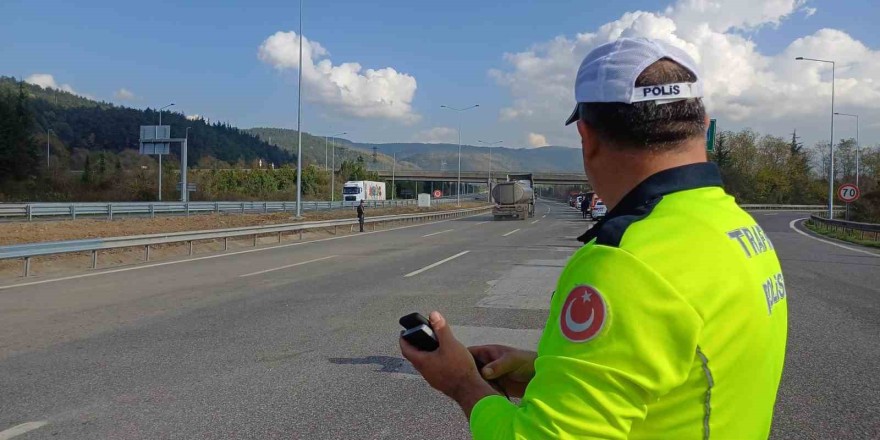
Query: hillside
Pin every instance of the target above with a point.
(428, 156)
(78, 122)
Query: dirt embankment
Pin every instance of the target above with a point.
(31, 232)
(40, 231)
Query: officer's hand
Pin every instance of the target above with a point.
(450, 368)
(511, 367)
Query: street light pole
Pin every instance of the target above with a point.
(184, 190)
(831, 171)
(299, 148)
(48, 130)
(160, 153)
(489, 144)
(858, 144)
(393, 166)
(459, 110)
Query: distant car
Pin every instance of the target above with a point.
(598, 211)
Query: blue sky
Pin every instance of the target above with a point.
(202, 55)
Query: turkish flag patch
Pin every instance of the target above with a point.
(583, 314)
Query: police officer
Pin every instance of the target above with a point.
(670, 322)
(360, 214)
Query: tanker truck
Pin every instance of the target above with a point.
(514, 198)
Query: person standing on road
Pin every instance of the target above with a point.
(585, 207)
(360, 213)
(671, 321)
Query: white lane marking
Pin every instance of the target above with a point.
(431, 266)
(536, 221)
(795, 229)
(286, 267)
(481, 223)
(437, 233)
(771, 213)
(229, 254)
(21, 429)
(544, 216)
(511, 232)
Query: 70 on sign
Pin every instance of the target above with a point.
(848, 193)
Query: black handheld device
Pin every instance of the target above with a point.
(418, 332)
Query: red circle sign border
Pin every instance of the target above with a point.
(848, 185)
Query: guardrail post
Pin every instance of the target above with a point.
(284, 207)
(225, 243)
(279, 236)
(255, 240)
(94, 259)
(336, 230)
(190, 248)
(147, 253)
(73, 211)
(300, 234)
(186, 206)
(110, 211)
(216, 208)
(29, 213)
(27, 267)
(265, 207)
(242, 207)
(152, 210)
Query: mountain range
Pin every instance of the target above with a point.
(77, 122)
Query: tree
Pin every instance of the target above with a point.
(19, 157)
(87, 171)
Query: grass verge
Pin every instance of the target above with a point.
(851, 237)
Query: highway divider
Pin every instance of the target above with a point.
(26, 252)
(31, 211)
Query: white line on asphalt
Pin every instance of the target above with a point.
(21, 429)
(536, 221)
(544, 216)
(795, 229)
(286, 267)
(429, 267)
(482, 223)
(229, 254)
(511, 232)
(437, 233)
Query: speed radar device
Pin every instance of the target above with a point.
(418, 332)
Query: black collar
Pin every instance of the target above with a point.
(646, 194)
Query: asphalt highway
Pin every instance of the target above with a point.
(300, 340)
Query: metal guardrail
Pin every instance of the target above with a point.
(769, 207)
(30, 250)
(29, 211)
(864, 231)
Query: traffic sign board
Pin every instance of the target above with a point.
(437, 194)
(848, 193)
(710, 136)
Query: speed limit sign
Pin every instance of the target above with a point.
(437, 194)
(848, 193)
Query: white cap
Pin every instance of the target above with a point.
(609, 72)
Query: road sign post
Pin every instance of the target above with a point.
(848, 193)
(710, 137)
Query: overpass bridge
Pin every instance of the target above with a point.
(482, 176)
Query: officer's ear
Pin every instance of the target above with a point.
(589, 141)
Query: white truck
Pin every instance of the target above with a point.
(357, 190)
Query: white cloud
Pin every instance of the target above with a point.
(744, 87)
(124, 94)
(809, 11)
(194, 117)
(537, 140)
(437, 135)
(347, 87)
(46, 80)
